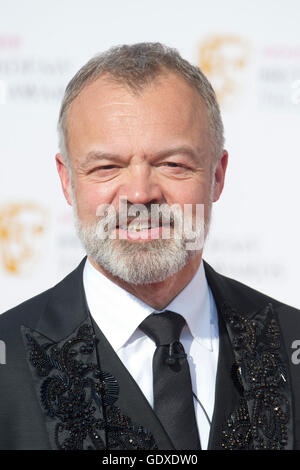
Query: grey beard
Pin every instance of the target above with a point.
(135, 263)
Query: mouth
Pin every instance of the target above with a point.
(141, 230)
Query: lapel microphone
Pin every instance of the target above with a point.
(175, 356)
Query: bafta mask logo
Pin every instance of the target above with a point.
(22, 227)
(223, 60)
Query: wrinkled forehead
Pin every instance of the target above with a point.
(107, 108)
(165, 88)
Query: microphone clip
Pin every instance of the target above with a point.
(173, 356)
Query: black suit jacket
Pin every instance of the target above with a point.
(64, 387)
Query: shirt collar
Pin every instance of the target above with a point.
(196, 304)
(118, 313)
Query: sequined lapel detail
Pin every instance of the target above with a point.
(263, 419)
(77, 397)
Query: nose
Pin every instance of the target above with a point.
(141, 186)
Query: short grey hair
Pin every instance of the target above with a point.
(136, 66)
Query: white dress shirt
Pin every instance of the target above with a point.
(119, 313)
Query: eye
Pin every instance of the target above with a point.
(175, 169)
(106, 167)
(174, 165)
(104, 171)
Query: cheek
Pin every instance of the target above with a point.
(192, 194)
(196, 194)
(90, 196)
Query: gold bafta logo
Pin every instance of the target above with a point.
(22, 226)
(223, 58)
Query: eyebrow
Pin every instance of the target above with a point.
(97, 155)
(182, 150)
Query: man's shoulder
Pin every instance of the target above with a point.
(28, 312)
(259, 296)
(243, 294)
(249, 302)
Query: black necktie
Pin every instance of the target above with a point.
(172, 387)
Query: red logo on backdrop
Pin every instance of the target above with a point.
(10, 41)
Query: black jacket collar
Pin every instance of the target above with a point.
(253, 387)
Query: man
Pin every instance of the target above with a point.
(144, 345)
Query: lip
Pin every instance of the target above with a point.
(141, 222)
(141, 235)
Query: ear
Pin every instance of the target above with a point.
(64, 178)
(219, 176)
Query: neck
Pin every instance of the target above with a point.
(159, 294)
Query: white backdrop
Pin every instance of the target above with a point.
(251, 53)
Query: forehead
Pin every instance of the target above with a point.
(169, 106)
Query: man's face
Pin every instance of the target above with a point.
(153, 148)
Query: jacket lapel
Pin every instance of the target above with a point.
(253, 407)
(88, 398)
(131, 400)
(228, 391)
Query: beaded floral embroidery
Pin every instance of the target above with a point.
(79, 398)
(263, 417)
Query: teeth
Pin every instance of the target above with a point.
(138, 227)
